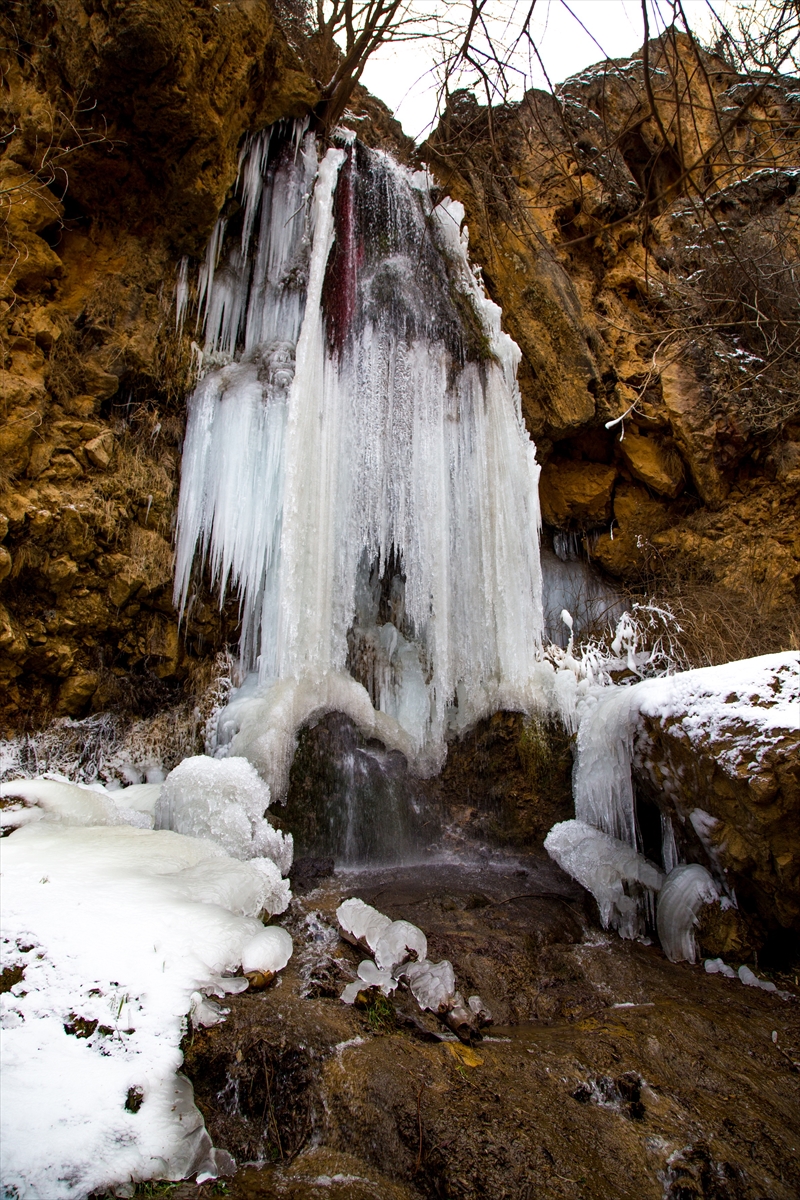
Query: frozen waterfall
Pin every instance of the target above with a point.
(356, 466)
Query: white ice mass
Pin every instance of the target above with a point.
(360, 474)
(226, 800)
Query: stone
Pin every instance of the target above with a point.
(61, 573)
(99, 383)
(100, 450)
(39, 460)
(652, 463)
(576, 493)
(163, 643)
(689, 408)
(15, 437)
(76, 692)
(5, 563)
(750, 800)
(638, 517)
(13, 642)
(126, 580)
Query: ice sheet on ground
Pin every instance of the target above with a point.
(684, 892)
(226, 800)
(116, 928)
(610, 870)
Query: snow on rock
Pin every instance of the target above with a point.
(610, 870)
(268, 951)
(721, 733)
(55, 799)
(119, 931)
(684, 892)
(223, 799)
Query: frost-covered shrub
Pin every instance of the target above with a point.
(224, 800)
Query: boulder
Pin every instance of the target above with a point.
(576, 493)
(655, 464)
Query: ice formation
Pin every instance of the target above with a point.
(433, 985)
(684, 892)
(362, 922)
(400, 950)
(715, 966)
(119, 932)
(268, 951)
(226, 800)
(622, 881)
(739, 706)
(355, 464)
(397, 943)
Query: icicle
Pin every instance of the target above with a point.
(361, 475)
(181, 293)
(686, 890)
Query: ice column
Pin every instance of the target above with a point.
(356, 465)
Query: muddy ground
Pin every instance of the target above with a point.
(609, 1072)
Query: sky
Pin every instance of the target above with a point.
(569, 35)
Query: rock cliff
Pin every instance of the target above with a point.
(121, 124)
(622, 240)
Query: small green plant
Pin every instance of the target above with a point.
(380, 1013)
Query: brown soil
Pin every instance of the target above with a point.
(609, 1071)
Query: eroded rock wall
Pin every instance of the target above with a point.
(586, 219)
(121, 124)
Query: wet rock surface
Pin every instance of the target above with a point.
(608, 1072)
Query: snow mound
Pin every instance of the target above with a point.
(223, 799)
(119, 931)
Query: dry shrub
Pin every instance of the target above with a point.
(717, 625)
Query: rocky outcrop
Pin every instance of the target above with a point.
(121, 129)
(720, 756)
(598, 219)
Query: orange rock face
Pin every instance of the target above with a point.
(578, 212)
(125, 127)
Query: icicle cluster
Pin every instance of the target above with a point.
(355, 464)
